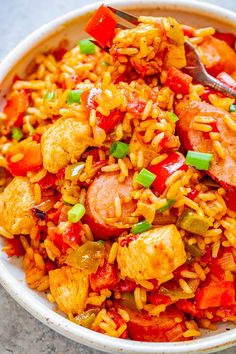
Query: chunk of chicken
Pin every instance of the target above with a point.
(16, 203)
(69, 287)
(154, 254)
(66, 139)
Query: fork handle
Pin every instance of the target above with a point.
(215, 84)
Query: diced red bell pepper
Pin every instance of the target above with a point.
(174, 162)
(221, 293)
(187, 307)
(15, 247)
(108, 123)
(31, 161)
(170, 142)
(106, 277)
(192, 194)
(188, 31)
(230, 199)
(226, 79)
(49, 265)
(59, 53)
(58, 241)
(72, 236)
(178, 81)
(61, 174)
(229, 38)
(36, 137)
(102, 26)
(158, 299)
(126, 285)
(15, 108)
(48, 181)
(87, 98)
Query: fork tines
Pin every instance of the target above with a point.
(125, 16)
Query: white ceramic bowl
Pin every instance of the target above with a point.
(70, 26)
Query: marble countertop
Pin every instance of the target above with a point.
(20, 333)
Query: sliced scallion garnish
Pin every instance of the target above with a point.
(76, 213)
(119, 149)
(199, 160)
(145, 178)
(141, 227)
(73, 96)
(86, 46)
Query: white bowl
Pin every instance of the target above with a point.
(70, 26)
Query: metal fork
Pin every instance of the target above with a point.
(194, 66)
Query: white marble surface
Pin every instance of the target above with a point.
(20, 333)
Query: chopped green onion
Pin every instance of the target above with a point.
(101, 242)
(50, 96)
(232, 108)
(166, 206)
(141, 227)
(16, 133)
(76, 213)
(73, 96)
(104, 63)
(199, 160)
(145, 178)
(119, 149)
(173, 117)
(87, 47)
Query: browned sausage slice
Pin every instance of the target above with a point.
(100, 209)
(222, 170)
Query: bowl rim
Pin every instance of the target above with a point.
(40, 311)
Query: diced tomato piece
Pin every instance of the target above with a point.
(15, 108)
(72, 236)
(102, 26)
(221, 293)
(87, 98)
(108, 123)
(106, 277)
(158, 299)
(187, 307)
(31, 161)
(226, 79)
(49, 265)
(118, 321)
(15, 247)
(174, 162)
(58, 241)
(177, 81)
(48, 181)
(61, 174)
(170, 142)
(229, 38)
(36, 137)
(192, 194)
(230, 199)
(59, 53)
(126, 285)
(188, 31)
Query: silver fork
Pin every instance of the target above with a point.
(194, 66)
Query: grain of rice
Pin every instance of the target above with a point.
(30, 85)
(127, 51)
(214, 136)
(5, 233)
(82, 196)
(17, 157)
(92, 118)
(124, 314)
(113, 253)
(188, 274)
(215, 249)
(38, 176)
(39, 262)
(37, 193)
(173, 178)
(157, 139)
(145, 284)
(191, 333)
(173, 190)
(190, 203)
(24, 242)
(202, 127)
(69, 199)
(230, 122)
(137, 298)
(184, 286)
(213, 233)
(147, 110)
(123, 167)
(159, 159)
(219, 149)
(109, 321)
(199, 270)
(121, 330)
(204, 119)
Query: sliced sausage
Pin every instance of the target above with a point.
(162, 328)
(100, 205)
(154, 254)
(222, 170)
(217, 56)
(16, 203)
